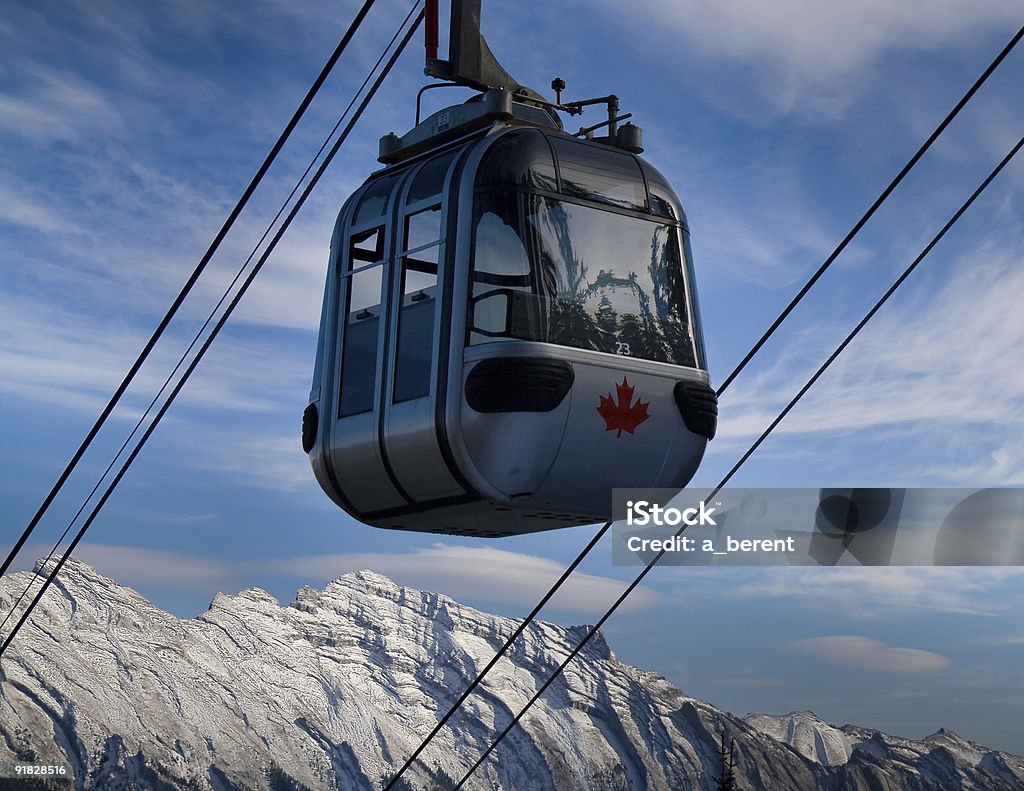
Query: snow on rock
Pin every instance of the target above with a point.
(336, 689)
(808, 734)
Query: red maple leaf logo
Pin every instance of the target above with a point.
(624, 415)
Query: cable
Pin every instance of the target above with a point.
(187, 288)
(213, 335)
(501, 652)
(209, 319)
(874, 206)
(216, 330)
(729, 379)
(803, 390)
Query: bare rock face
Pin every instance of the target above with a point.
(336, 689)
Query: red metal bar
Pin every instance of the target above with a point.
(430, 30)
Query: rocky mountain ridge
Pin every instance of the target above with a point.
(335, 690)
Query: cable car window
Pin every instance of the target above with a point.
(430, 180)
(423, 228)
(502, 266)
(505, 255)
(663, 198)
(415, 344)
(359, 345)
(519, 158)
(375, 200)
(367, 246)
(416, 327)
(599, 280)
(698, 335)
(610, 176)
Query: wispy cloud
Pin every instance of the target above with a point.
(57, 356)
(871, 654)
(750, 679)
(24, 211)
(1002, 640)
(873, 593)
(266, 460)
(140, 567)
(803, 54)
(938, 359)
(477, 573)
(59, 106)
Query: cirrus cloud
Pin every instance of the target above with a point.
(871, 654)
(479, 573)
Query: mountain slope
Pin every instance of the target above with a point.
(337, 688)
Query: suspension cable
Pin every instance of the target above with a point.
(187, 288)
(209, 319)
(498, 655)
(729, 379)
(216, 330)
(874, 206)
(771, 427)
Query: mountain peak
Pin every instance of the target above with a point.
(337, 688)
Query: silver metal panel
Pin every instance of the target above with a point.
(409, 430)
(414, 454)
(482, 519)
(593, 460)
(347, 453)
(358, 466)
(514, 450)
(460, 258)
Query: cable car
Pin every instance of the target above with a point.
(509, 328)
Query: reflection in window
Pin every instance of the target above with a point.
(416, 328)
(502, 268)
(430, 180)
(366, 247)
(423, 228)
(612, 178)
(520, 157)
(415, 344)
(359, 345)
(375, 199)
(597, 280)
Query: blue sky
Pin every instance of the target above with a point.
(130, 129)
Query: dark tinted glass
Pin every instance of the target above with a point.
(520, 158)
(698, 324)
(430, 179)
(600, 173)
(414, 352)
(423, 228)
(415, 332)
(375, 200)
(366, 247)
(664, 201)
(359, 350)
(598, 280)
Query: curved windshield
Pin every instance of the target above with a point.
(559, 272)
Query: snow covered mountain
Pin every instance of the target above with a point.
(336, 689)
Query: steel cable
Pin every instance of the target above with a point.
(209, 319)
(729, 379)
(757, 443)
(189, 284)
(209, 340)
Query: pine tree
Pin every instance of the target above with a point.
(727, 779)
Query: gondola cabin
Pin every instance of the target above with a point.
(509, 330)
